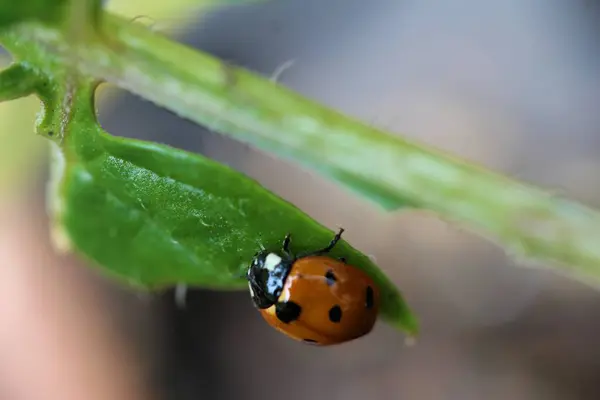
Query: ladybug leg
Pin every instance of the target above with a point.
(286, 244)
(342, 259)
(331, 245)
(333, 242)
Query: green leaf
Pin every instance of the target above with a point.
(156, 216)
(17, 81)
(152, 215)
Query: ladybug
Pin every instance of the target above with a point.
(312, 297)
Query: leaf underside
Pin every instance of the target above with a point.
(157, 216)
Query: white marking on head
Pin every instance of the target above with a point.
(272, 261)
(251, 291)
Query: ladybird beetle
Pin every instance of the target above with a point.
(312, 297)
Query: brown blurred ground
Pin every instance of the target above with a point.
(513, 85)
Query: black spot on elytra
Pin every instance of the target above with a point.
(335, 314)
(369, 297)
(331, 279)
(310, 341)
(287, 312)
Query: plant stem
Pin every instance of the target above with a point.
(390, 170)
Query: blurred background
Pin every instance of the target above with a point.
(513, 85)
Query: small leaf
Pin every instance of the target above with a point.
(157, 216)
(17, 81)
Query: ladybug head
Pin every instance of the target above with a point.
(266, 278)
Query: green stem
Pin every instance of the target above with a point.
(526, 221)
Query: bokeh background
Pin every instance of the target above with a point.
(513, 85)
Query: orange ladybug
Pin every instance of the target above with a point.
(312, 297)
